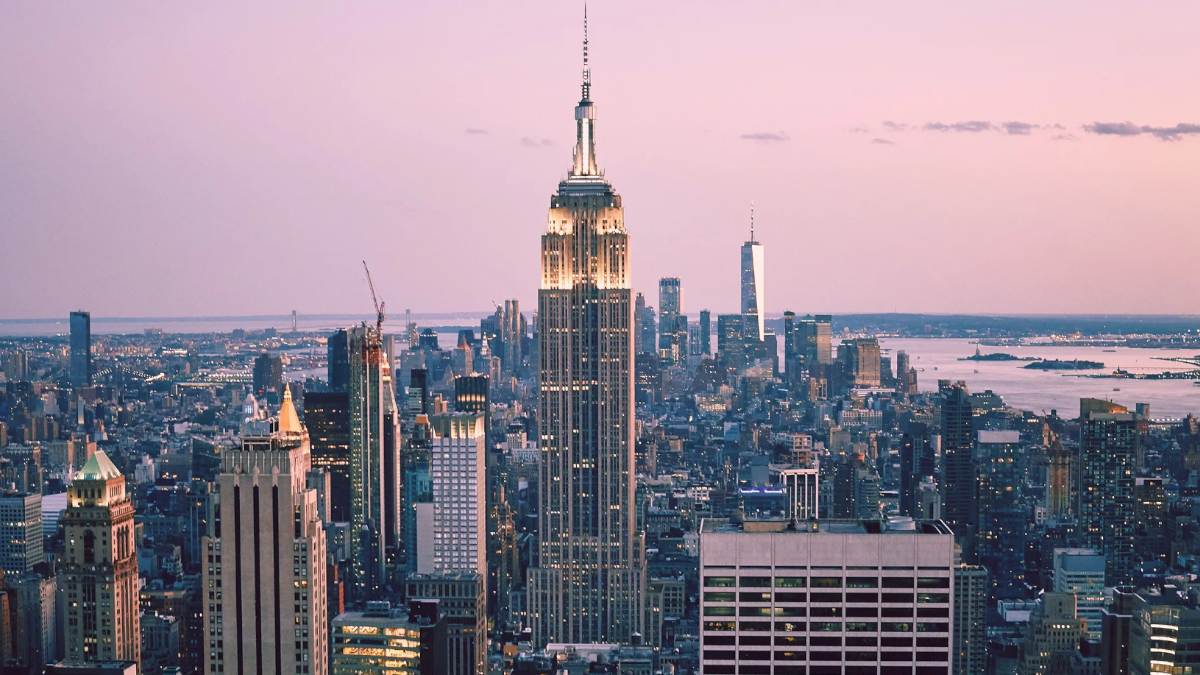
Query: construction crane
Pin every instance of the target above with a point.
(378, 304)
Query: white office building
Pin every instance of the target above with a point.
(833, 596)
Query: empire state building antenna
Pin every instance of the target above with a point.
(587, 71)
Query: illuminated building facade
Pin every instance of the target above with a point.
(99, 573)
(588, 585)
(266, 610)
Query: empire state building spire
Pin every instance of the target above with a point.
(585, 120)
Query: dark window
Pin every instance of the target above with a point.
(756, 582)
(754, 611)
(862, 597)
(783, 596)
(933, 628)
(824, 626)
(720, 582)
(825, 612)
(719, 655)
(931, 642)
(754, 596)
(756, 640)
(902, 612)
(719, 596)
(825, 597)
(862, 582)
(788, 640)
(826, 582)
(862, 626)
(746, 655)
(933, 597)
(933, 582)
(897, 582)
(860, 641)
(898, 597)
(897, 627)
(861, 611)
(718, 610)
(755, 625)
(789, 582)
(719, 640)
(932, 612)
(825, 641)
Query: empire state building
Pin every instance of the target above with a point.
(587, 586)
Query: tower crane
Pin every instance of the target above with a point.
(378, 304)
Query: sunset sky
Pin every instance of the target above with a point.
(171, 159)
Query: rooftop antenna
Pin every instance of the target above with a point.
(587, 72)
(751, 222)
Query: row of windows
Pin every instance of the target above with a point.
(822, 612)
(758, 669)
(824, 641)
(745, 655)
(826, 582)
(826, 626)
(794, 596)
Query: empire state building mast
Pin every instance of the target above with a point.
(589, 583)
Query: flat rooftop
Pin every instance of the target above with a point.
(826, 526)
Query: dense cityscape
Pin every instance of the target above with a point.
(612, 481)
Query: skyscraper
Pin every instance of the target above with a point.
(753, 286)
(266, 610)
(1108, 445)
(268, 374)
(705, 332)
(368, 525)
(588, 585)
(670, 308)
(337, 363)
(20, 533)
(81, 349)
(99, 573)
(1002, 511)
(327, 419)
(960, 507)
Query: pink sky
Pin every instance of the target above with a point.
(178, 159)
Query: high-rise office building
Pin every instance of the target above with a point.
(753, 286)
(1058, 479)
(705, 332)
(382, 640)
(645, 332)
(670, 308)
(959, 506)
(266, 609)
(1080, 571)
(1108, 446)
(832, 594)
(1003, 515)
(1164, 633)
(970, 619)
(368, 516)
(861, 362)
(81, 349)
(268, 374)
(20, 533)
(461, 598)
(588, 583)
(1052, 636)
(337, 363)
(327, 419)
(457, 466)
(99, 572)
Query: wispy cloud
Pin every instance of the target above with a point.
(973, 126)
(889, 125)
(1172, 133)
(474, 131)
(860, 130)
(1018, 128)
(766, 136)
(530, 142)
(882, 141)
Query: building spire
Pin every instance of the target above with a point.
(585, 118)
(751, 222)
(587, 71)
